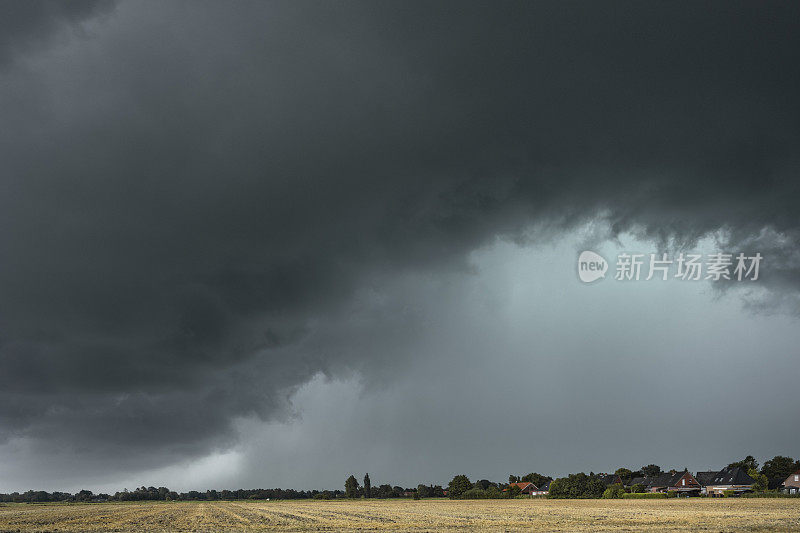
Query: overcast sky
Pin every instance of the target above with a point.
(263, 244)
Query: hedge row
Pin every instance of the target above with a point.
(643, 495)
(769, 494)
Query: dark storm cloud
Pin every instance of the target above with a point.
(24, 25)
(188, 187)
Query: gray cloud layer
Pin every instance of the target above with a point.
(189, 189)
(27, 25)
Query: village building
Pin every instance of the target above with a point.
(524, 488)
(731, 480)
(680, 482)
(609, 479)
(705, 479)
(792, 484)
(639, 480)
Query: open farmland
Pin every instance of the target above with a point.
(409, 515)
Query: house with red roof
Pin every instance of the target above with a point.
(524, 487)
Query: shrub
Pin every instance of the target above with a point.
(478, 494)
(644, 496)
(473, 494)
(639, 488)
(761, 482)
(772, 493)
(614, 491)
(493, 492)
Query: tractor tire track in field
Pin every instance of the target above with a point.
(256, 517)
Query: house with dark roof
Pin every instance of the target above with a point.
(544, 489)
(705, 479)
(680, 482)
(775, 484)
(639, 480)
(792, 484)
(730, 479)
(609, 479)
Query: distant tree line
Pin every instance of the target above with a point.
(353, 490)
(580, 485)
(460, 487)
(164, 494)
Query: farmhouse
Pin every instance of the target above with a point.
(705, 479)
(524, 487)
(733, 479)
(680, 482)
(640, 480)
(792, 484)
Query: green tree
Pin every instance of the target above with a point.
(513, 491)
(482, 484)
(351, 487)
(746, 464)
(577, 486)
(614, 491)
(424, 491)
(651, 470)
(458, 486)
(367, 486)
(513, 479)
(638, 488)
(384, 491)
(558, 488)
(594, 488)
(536, 478)
(779, 467)
(624, 473)
(762, 483)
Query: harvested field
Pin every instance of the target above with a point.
(409, 515)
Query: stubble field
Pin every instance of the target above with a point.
(409, 515)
